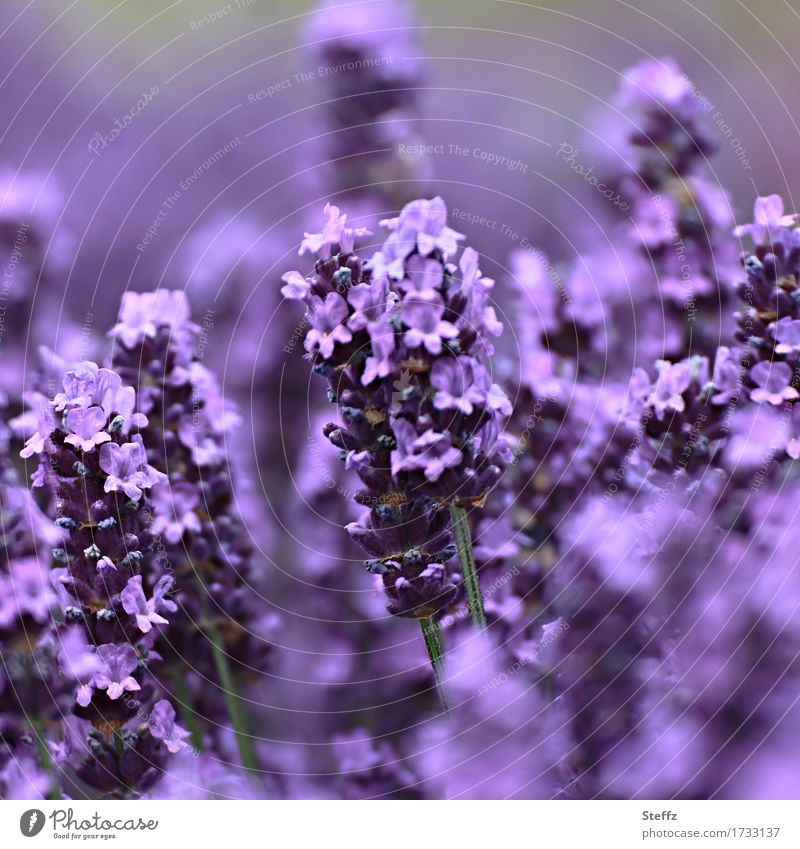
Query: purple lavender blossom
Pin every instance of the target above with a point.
(108, 553)
(666, 613)
(766, 321)
(176, 512)
(142, 315)
(681, 218)
(768, 220)
(145, 610)
(682, 415)
(726, 377)
(206, 549)
(772, 383)
(634, 522)
(327, 326)
(408, 428)
(461, 385)
(786, 333)
(85, 424)
(127, 469)
(24, 594)
(163, 726)
(80, 662)
(425, 325)
(668, 127)
(432, 453)
(670, 264)
(333, 233)
(421, 228)
(423, 276)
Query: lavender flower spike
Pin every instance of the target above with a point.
(400, 338)
(219, 631)
(769, 317)
(107, 557)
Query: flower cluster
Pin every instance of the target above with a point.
(695, 414)
(571, 442)
(201, 534)
(613, 488)
(681, 219)
(666, 124)
(663, 275)
(683, 412)
(402, 340)
(595, 515)
(676, 671)
(93, 461)
(768, 320)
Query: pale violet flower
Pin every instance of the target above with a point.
(127, 468)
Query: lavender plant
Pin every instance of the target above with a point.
(672, 630)
(221, 628)
(676, 668)
(692, 411)
(402, 340)
(663, 276)
(769, 318)
(683, 415)
(93, 461)
(681, 218)
(636, 545)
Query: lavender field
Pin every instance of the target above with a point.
(399, 401)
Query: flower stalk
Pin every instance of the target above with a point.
(404, 341)
(469, 568)
(434, 643)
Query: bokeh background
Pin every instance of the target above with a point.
(186, 145)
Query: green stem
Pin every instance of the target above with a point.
(434, 643)
(243, 740)
(468, 567)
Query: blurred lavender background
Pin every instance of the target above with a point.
(189, 147)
